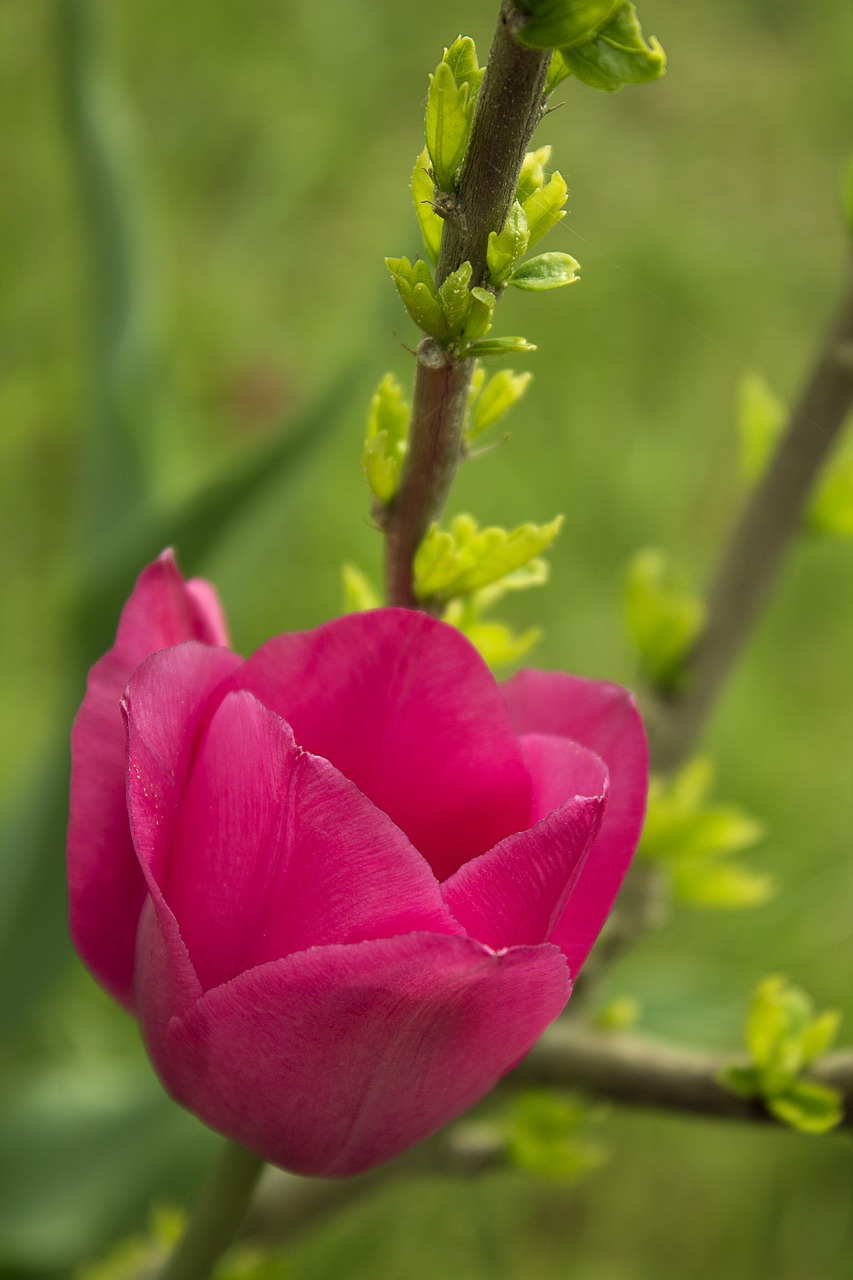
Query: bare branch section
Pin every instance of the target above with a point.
(509, 107)
(751, 562)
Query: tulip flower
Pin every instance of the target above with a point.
(344, 884)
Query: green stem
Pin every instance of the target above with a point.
(509, 107)
(217, 1214)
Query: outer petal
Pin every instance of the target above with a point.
(106, 889)
(516, 893)
(340, 1057)
(603, 717)
(275, 852)
(405, 707)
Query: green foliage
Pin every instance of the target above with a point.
(507, 246)
(416, 287)
(831, 511)
(617, 54)
(695, 840)
(619, 1014)
(783, 1036)
(359, 592)
(543, 208)
(386, 439)
(423, 194)
(546, 271)
(455, 314)
(450, 110)
(466, 558)
(555, 23)
(663, 616)
(490, 400)
(498, 644)
(546, 1135)
(558, 71)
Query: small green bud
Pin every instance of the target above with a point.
(465, 558)
(455, 298)
(663, 616)
(416, 288)
(499, 347)
(386, 439)
(461, 57)
(532, 175)
(762, 417)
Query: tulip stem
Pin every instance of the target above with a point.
(509, 107)
(217, 1214)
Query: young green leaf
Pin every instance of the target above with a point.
(508, 245)
(416, 288)
(547, 271)
(555, 23)
(479, 320)
(449, 113)
(386, 439)
(499, 347)
(423, 191)
(662, 615)
(461, 57)
(532, 175)
(497, 397)
(465, 558)
(455, 298)
(808, 1106)
(544, 207)
(831, 511)
(727, 886)
(558, 71)
(617, 54)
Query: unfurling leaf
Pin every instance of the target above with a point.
(386, 439)
(461, 57)
(554, 23)
(416, 288)
(547, 271)
(466, 558)
(498, 644)
(784, 1036)
(449, 114)
(543, 208)
(423, 192)
(508, 245)
(558, 71)
(547, 1136)
(617, 54)
(663, 616)
(532, 175)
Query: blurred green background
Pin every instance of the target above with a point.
(186, 357)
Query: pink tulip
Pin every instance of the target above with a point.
(344, 884)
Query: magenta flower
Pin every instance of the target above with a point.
(345, 884)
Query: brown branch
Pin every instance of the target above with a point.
(639, 1071)
(509, 107)
(751, 562)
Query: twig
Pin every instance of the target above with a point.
(509, 107)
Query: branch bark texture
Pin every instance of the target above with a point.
(509, 107)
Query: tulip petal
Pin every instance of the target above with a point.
(516, 893)
(106, 889)
(406, 709)
(335, 1059)
(604, 718)
(276, 851)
